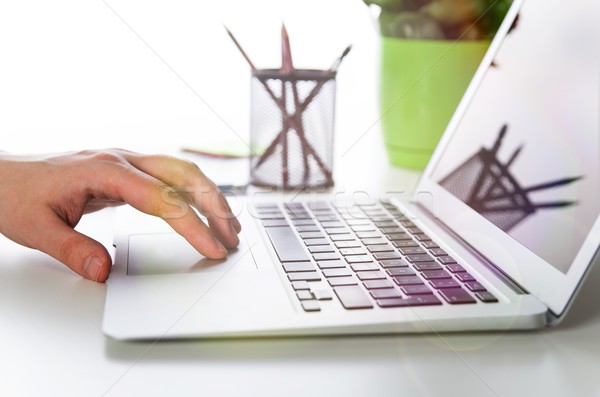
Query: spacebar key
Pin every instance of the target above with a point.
(286, 244)
(353, 297)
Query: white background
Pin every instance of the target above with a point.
(73, 76)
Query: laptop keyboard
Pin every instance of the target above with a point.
(364, 256)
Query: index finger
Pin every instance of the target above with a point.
(154, 197)
(204, 193)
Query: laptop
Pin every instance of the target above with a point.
(499, 234)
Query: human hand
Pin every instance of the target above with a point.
(42, 198)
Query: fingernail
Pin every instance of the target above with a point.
(221, 247)
(92, 267)
(237, 226)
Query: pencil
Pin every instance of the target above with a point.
(240, 48)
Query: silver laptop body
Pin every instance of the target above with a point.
(494, 238)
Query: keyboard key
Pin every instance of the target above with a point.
(291, 267)
(358, 259)
(325, 218)
(380, 248)
(415, 300)
(374, 275)
(444, 283)
(309, 235)
(419, 289)
(385, 293)
(374, 241)
(347, 244)
(475, 286)
(270, 215)
(376, 284)
(321, 248)
(380, 217)
(275, 222)
(268, 209)
(399, 237)
(414, 230)
(400, 271)
(391, 230)
(405, 243)
(435, 274)
(455, 268)
(430, 244)
(336, 272)
(446, 260)
(377, 211)
(456, 296)
(310, 228)
(352, 251)
(300, 285)
(304, 295)
(336, 230)
(333, 224)
(363, 228)
(364, 235)
(299, 215)
(286, 244)
(364, 267)
(331, 264)
(311, 306)
(438, 252)
(304, 276)
(386, 255)
(303, 222)
(353, 297)
(357, 222)
(342, 237)
(418, 258)
(265, 206)
(422, 266)
(465, 277)
(323, 211)
(412, 250)
(385, 223)
(422, 237)
(336, 281)
(486, 296)
(316, 241)
(393, 263)
(323, 295)
(318, 205)
(408, 280)
(326, 256)
(355, 216)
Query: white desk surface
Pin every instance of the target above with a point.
(75, 76)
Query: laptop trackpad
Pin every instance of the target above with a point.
(169, 253)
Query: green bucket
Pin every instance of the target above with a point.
(421, 84)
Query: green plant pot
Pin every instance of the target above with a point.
(421, 84)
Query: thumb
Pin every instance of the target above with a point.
(80, 253)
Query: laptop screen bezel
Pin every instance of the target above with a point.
(554, 288)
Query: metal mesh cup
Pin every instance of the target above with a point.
(291, 128)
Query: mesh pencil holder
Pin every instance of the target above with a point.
(291, 128)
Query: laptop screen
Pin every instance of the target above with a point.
(526, 153)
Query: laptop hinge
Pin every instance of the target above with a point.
(512, 284)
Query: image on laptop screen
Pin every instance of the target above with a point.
(526, 154)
